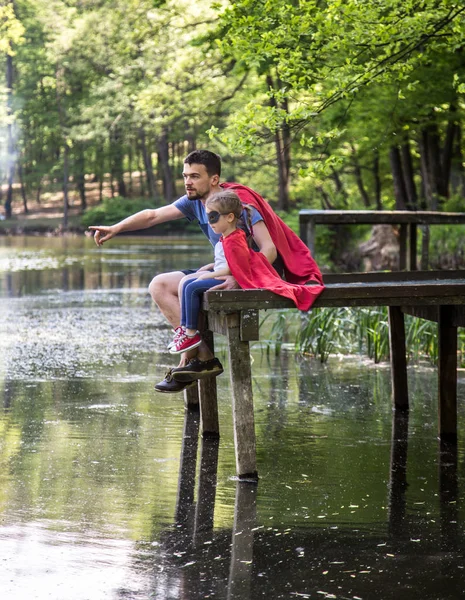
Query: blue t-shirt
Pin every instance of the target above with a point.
(195, 210)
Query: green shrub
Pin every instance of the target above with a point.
(326, 331)
(113, 210)
(447, 247)
(291, 218)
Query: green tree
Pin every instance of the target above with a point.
(402, 58)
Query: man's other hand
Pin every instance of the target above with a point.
(229, 283)
(102, 233)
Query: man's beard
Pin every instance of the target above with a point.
(195, 196)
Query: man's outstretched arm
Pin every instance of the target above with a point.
(141, 220)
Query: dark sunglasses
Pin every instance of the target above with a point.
(214, 216)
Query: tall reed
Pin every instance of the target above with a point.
(364, 331)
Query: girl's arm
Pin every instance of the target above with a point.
(206, 267)
(214, 274)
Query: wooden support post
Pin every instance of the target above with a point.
(448, 494)
(398, 473)
(403, 247)
(209, 424)
(412, 257)
(447, 375)
(206, 489)
(303, 231)
(424, 256)
(191, 398)
(398, 358)
(186, 482)
(245, 515)
(307, 235)
(242, 400)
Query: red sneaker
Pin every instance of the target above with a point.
(185, 343)
(178, 332)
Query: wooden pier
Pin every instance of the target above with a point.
(434, 295)
(408, 221)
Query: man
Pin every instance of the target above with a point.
(201, 173)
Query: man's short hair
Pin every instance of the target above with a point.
(210, 160)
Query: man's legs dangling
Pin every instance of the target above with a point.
(164, 291)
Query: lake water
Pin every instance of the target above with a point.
(106, 491)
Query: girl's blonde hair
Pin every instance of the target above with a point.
(229, 202)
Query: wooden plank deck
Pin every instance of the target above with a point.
(437, 296)
(389, 293)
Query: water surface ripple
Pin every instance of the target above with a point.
(107, 491)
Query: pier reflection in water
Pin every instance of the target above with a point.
(107, 491)
(254, 561)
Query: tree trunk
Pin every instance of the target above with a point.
(325, 199)
(448, 150)
(60, 88)
(282, 145)
(10, 165)
(117, 158)
(130, 158)
(283, 177)
(377, 180)
(169, 188)
(9, 192)
(435, 168)
(65, 185)
(407, 169)
(457, 174)
(147, 157)
(424, 247)
(80, 177)
(180, 155)
(359, 179)
(100, 170)
(340, 190)
(191, 141)
(140, 168)
(172, 155)
(286, 146)
(400, 193)
(427, 195)
(23, 187)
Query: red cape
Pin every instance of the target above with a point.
(251, 270)
(299, 265)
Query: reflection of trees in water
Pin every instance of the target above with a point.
(78, 451)
(70, 299)
(276, 389)
(191, 560)
(451, 540)
(398, 479)
(259, 560)
(328, 384)
(9, 393)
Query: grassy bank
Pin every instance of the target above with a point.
(39, 225)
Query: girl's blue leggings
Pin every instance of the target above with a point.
(192, 291)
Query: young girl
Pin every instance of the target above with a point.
(224, 211)
(234, 256)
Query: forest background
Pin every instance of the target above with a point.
(335, 104)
